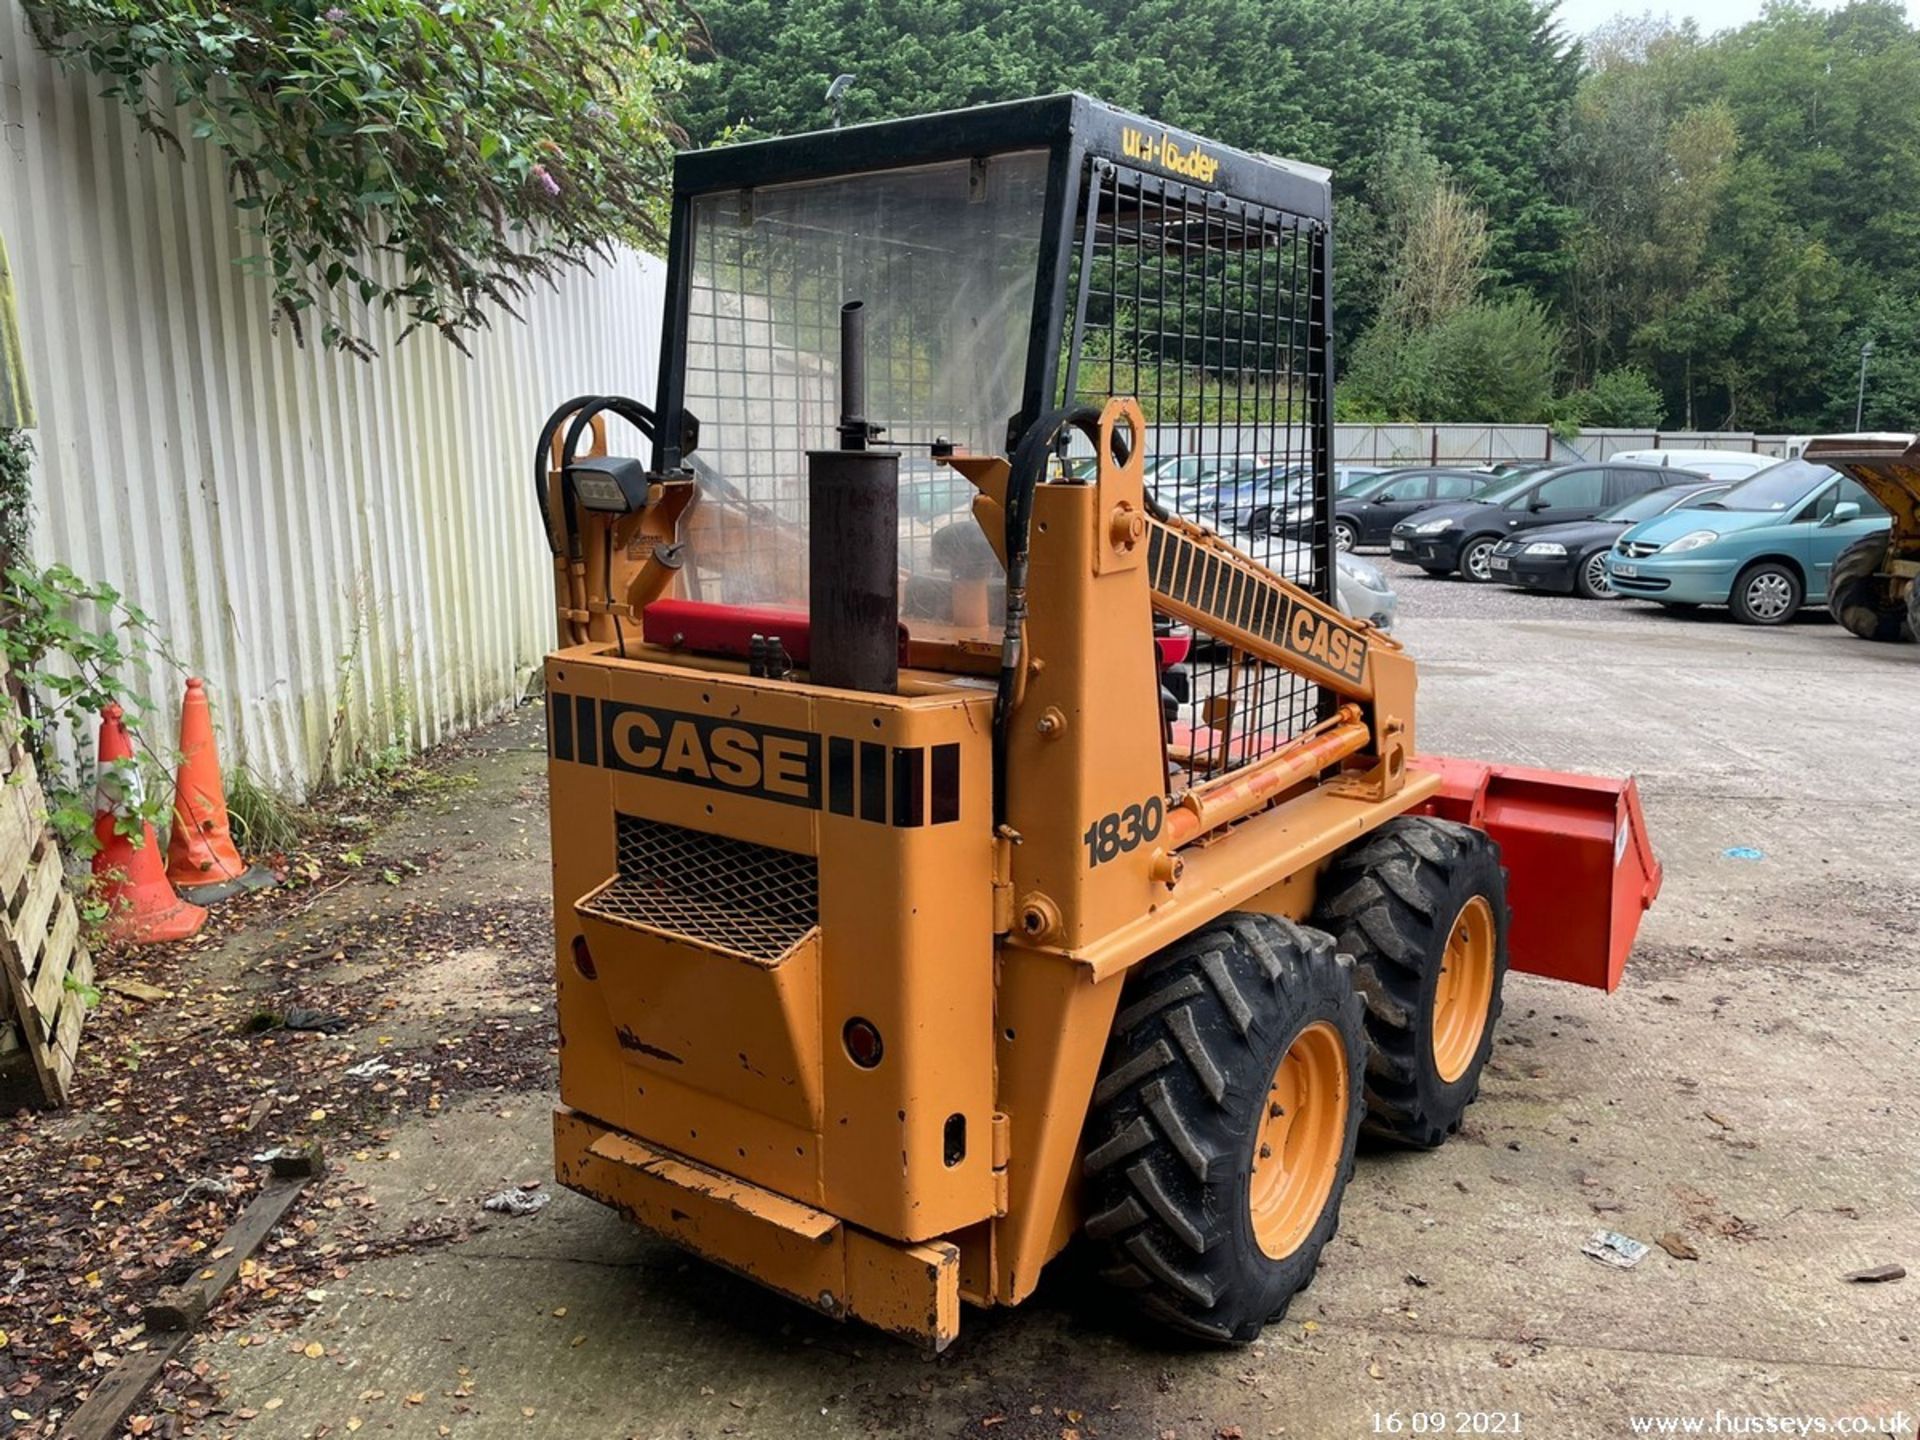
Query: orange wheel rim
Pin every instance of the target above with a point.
(1464, 990)
(1298, 1143)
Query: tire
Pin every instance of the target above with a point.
(1395, 900)
(1475, 559)
(1767, 593)
(1861, 599)
(1206, 1031)
(1346, 535)
(1590, 579)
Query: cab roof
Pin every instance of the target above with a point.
(1074, 127)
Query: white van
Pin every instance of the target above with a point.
(1714, 464)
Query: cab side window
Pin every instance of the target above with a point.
(1624, 484)
(1453, 487)
(1575, 488)
(1821, 505)
(1851, 489)
(1414, 487)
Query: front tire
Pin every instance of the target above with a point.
(1590, 580)
(1421, 905)
(1861, 598)
(1224, 1124)
(1768, 593)
(1476, 559)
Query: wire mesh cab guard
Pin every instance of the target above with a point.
(1011, 259)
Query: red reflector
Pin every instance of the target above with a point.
(583, 958)
(863, 1043)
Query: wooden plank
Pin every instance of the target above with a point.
(36, 904)
(50, 984)
(66, 1047)
(248, 1231)
(115, 1397)
(9, 1037)
(16, 841)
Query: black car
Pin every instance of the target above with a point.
(1571, 559)
(1365, 514)
(1461, 535)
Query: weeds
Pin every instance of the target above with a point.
(264, 821)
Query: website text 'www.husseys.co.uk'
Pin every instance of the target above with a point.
(1897, 1424)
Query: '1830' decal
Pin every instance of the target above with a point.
(1121, 831)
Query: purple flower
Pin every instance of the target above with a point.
(547, 182)
(336, 15)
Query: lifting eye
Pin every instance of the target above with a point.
(583, 958)
(864, 1046)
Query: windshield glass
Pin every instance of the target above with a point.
(945, 268)
(1644, 507)
(1778, 487)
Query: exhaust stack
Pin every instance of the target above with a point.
(853, 515)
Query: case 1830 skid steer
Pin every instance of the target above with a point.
(962, 840)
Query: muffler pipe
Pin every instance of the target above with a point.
(853, 529)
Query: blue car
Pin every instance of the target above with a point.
(1763, 549)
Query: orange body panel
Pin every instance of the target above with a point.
(852, 1055)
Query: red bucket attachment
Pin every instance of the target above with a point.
(1580, 868)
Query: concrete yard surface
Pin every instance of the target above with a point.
(1748, 1097)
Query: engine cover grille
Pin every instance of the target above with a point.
(750, 900)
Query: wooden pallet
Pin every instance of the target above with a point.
(45, 970)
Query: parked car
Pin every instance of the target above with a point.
(1366, 515)
(1361, 589)
(1729, 465)
(1763, 549)
(1461, 535)
(1571, 559)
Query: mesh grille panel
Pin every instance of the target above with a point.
(750, 899)
(1210, 310)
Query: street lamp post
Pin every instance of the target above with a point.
(1860, 401)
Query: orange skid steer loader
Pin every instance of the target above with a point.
(964, 840)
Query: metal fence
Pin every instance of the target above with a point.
(1602, 444)
(347, 551)
(1373, 444)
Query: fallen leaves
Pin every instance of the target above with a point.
(1676, 1245)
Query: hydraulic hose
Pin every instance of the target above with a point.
(583, 409)
(540, 455)
(1030, 460)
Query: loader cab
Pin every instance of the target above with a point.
(1010, 259)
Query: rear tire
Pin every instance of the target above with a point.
(1476, 559)
(1768, 593)
(1861, 599)
(1345, 535)
(1205, 1212)
(1398, 901)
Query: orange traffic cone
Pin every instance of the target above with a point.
(143, 908)
(201, 858)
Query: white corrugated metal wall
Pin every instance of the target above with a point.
(336, 545)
